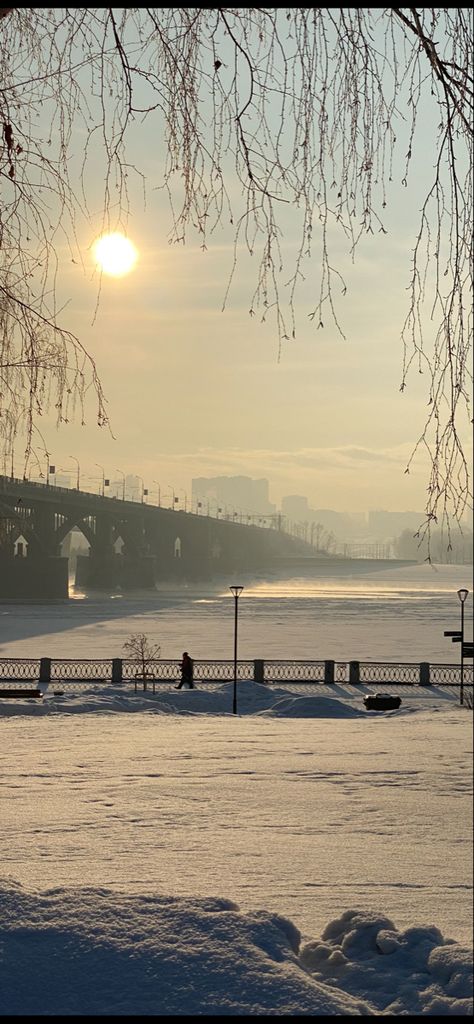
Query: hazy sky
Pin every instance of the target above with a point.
(196, 391)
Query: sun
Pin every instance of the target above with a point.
(115, 254)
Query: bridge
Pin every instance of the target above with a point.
(132, 545)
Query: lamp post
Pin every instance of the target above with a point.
(236, 592)
(47, 466)
(76, 460)
(159, 492)
(123, 482)
(462, 594)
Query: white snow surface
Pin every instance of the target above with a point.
(91, 951)
(304, 857)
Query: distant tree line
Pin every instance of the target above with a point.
(456, 549)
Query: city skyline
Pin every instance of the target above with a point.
(212, 501)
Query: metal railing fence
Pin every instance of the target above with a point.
(118, 670)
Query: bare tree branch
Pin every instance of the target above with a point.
(261, 111)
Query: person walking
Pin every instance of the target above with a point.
(187, 672)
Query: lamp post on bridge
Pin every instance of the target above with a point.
(236, 591)
(159, 492)
(77, 479)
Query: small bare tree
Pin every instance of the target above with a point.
(143, 653)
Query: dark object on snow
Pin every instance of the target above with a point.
(20, 692)
(381, 701)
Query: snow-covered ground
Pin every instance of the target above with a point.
(163, 856)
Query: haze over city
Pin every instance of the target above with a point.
(193, 389)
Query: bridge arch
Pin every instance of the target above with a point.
(16, 525)
(76, 523)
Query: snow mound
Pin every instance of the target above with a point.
(252, 699)
(415, 971)
(91, 951)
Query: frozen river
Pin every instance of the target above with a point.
(397, 615)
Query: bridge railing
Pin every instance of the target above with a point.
(289, 672)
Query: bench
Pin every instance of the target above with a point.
(21, 692)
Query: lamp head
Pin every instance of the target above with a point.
(462, 594)
(236, 591)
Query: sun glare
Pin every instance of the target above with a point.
(115, 254)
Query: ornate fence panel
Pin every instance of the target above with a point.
(21, 669)
(294, 671)
(380, 672)
(222, 671)
(450, 675)
(67, 670)
(165, 671)
(204, 671)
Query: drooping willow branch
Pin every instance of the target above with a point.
(283, 124)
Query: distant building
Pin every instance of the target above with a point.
(133, 488)
(341, 524)
(234, 493)
(297, 509)
(295, 506)
(383, 525)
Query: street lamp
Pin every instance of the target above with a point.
(462, 594)
(236, 592)
(159, 492)
(76, 460)
(123, 482)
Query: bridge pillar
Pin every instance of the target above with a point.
(138, 573)
(101, 571)
(36, 576)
